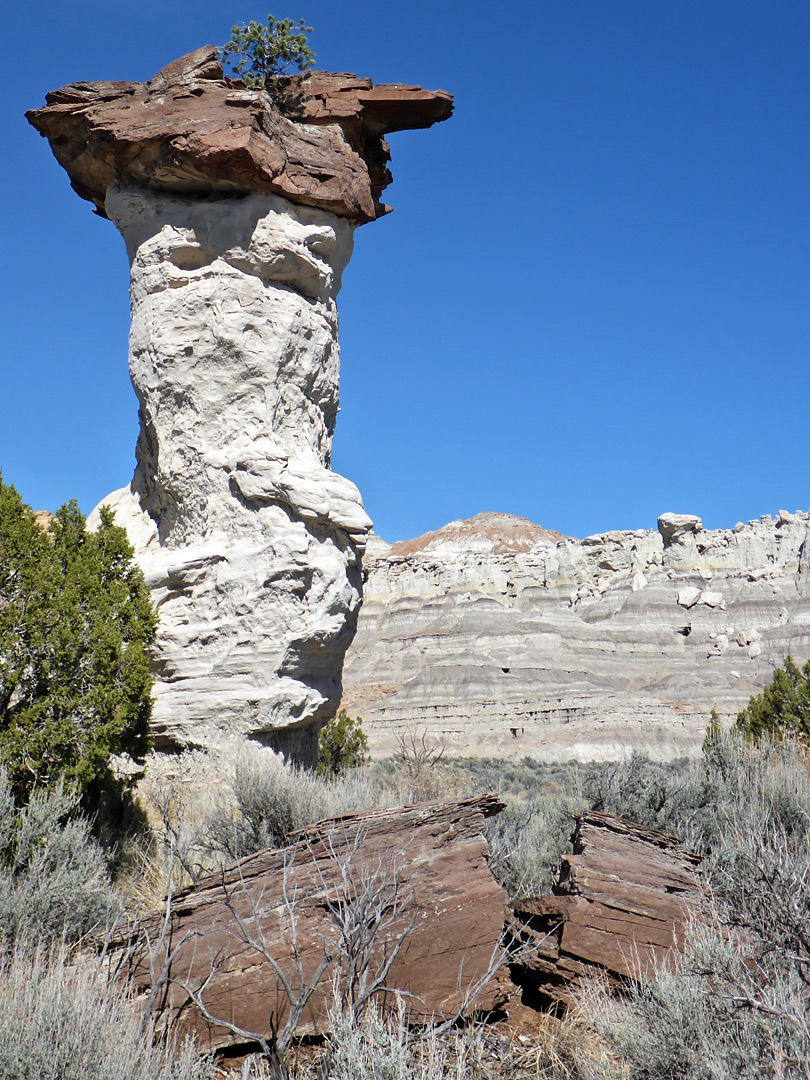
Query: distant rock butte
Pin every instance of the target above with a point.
(491, 533)
(238, 212)
(495, 636)
(189, 130)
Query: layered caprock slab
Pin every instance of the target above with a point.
(238, 212)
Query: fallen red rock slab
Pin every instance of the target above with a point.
(418, 876)
(623, 903)
(189, 130)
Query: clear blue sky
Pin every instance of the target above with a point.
(589, 306)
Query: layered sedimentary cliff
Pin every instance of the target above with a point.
(496, 636)
(238, 213)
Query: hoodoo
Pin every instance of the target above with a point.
(238, 212)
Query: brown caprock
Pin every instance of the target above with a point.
(319, 140)
(622, 905)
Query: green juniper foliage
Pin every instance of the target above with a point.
(262, 53)
(76, 624)
(342, 744)
(783, 707)
(714, 731)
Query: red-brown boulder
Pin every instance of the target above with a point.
(418, 875)
(623, 903)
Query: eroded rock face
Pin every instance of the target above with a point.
(495, 636)
(238, 211)
(623, 906)
(248, 540)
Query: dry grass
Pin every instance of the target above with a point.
(746, 808)
(61, 1018)
(206, 809)
(567, 1048)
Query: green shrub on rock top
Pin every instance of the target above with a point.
(261, 53)
(783, 707)
(76, 624)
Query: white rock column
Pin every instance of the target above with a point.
(250, 543)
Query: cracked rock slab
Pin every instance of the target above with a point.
(425, 864)
(624, 903)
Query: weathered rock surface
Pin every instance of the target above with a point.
(624, 901)
(424, 869)
(190, 131)
(495, 636)
(44, 518)
(250, 543)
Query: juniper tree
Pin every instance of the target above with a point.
(342, 745)
(262, 53)
(76, 623)
(783, 707)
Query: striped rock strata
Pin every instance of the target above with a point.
(402, 900)
(495, 636)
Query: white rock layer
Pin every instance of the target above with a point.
(250, 543)
(494, 636)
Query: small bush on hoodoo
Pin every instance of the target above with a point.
(262, 53)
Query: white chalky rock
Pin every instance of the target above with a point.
(639, 581)
(682, 540)
(250, 543)
(713, 600)
(689, 596)
(480, 628)
(678, 528)
(760, 573)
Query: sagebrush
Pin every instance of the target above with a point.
(55, 882)
(63, 1019)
